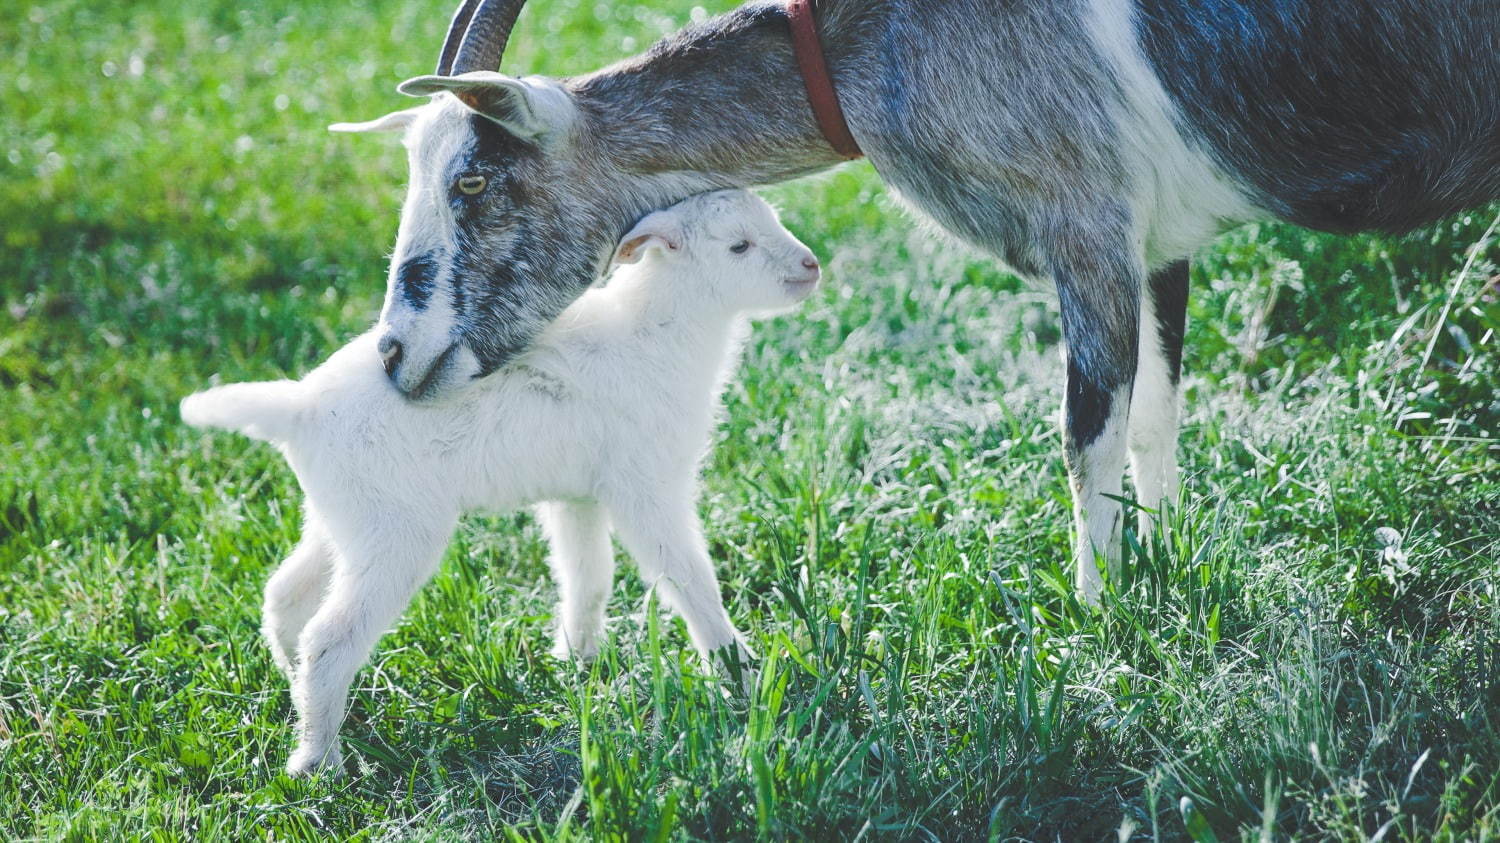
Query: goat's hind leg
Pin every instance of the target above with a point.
(374, 577)
(583, 563)
(294, 592)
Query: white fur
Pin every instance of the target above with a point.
(1097, 477)
(1181, 199)
(1153, 423)
(602, 424)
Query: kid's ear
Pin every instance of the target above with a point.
(656, 231)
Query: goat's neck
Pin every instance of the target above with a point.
(718, 105)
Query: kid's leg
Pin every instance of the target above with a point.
(373, 580)
(583, 563)
(667, 542)
(293, 593)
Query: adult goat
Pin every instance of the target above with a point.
(1097, 143)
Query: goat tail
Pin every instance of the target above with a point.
(269, 410)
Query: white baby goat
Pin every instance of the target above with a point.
(601, 424)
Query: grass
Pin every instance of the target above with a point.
(886, 503)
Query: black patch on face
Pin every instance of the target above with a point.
(414, 280)
(1339, 116)
(1088, 405)
(1169, 291)
(491, 300)
(456, 286)
(493, 357)
(494, 146)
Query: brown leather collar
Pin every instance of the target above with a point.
(825, 102)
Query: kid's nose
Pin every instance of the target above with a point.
(811, 274)
(810, 264)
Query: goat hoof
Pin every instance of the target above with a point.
(583, 654)
(308, 762)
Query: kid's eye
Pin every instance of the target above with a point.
(471, 185)
(741, 247)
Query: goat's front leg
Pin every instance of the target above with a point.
(583, 563)
(294, 592)
(667, 542)
(1099, 297)
(1154, 407)
(374, 578)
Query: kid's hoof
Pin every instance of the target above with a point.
(584, 654)
(736, 664)
(305, 763)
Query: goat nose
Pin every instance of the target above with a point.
(390, 354)
(810, 262)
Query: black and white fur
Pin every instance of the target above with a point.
(601, 423)
(1095, 143)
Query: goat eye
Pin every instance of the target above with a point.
(741, 247)
(472, 185)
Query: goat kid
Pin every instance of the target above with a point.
(602, 424)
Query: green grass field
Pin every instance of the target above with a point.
(886, 504)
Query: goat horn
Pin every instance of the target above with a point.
(456, 30)
(488, 31)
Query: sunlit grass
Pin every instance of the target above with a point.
(886, 503)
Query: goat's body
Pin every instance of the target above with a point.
(1099, 143)
(610, 397)
(601, 425)
(1340, 117)
(560, 423)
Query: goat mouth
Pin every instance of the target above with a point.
(426, 386)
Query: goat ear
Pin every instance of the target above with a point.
(656, 231)
(632, 249)
(528, 108)
(396, 121)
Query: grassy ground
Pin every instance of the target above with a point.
(886, 502)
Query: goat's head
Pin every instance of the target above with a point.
(506, 219)
(726, 246)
